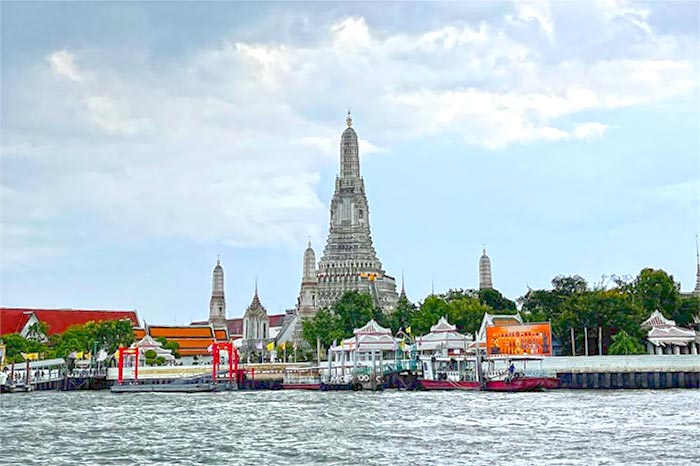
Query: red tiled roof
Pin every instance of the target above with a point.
(13, 320)
(235, 326)
(277, 320)
(59, 320)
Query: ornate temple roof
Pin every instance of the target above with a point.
(657, 319)
(443, 326)
(256, 309)
(372, 328)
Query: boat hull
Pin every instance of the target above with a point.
(164, 388)
(327, 387)
(448, 385)
(301, 386)
(528, 384)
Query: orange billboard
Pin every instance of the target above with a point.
(534, 339)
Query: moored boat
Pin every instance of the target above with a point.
(449, 373)
(517, 374)
(202, 383)
(302, 378)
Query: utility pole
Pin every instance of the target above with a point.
(573, 342)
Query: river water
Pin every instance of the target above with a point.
(633, 427)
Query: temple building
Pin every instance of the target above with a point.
(217, 303)
(665, 337)
(256, 324)
(485, 280)
(349, 260)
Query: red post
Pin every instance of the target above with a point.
(136, 363)
(252, 376)
(120, 368)
(230, 362)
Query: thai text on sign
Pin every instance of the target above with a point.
(528, 339)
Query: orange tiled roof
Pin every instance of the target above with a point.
(139, 333)
(193, 352)
(221, 334)
(184, 331)
(193, 342)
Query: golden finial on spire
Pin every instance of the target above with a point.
(348, 120)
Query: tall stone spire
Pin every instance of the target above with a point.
(308, 294)
(696, 291)
(217, 303)
(485, 280)
(403, 287)
(349, 260)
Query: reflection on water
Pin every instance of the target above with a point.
(390, 428)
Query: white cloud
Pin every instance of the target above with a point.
(537, 11)
(590, 130)
(113, 116)
(227, 143)
(63, 63)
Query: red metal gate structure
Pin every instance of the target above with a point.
(127, 352)
(228, 347)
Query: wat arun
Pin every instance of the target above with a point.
(349, 261)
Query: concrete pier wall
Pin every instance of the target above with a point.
(615, 372)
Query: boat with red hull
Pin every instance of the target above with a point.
(449, 385)
(456, 372)
(525, 384)
(516, 374)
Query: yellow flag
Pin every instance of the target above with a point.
(403, 345)
(408, 329)
(271, 346)
(30, 356)
(79, 355)
(284, 345)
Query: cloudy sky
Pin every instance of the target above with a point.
(141, 140)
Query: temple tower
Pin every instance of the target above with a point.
(308, 294)
(485, 280)
(217, 303)
(349, 260)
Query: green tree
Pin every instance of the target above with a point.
(402, 315)
(467, 313)
(16, 344)
(108, 335)
(354, 310)
(656, 290)
(429, 312)
(495, 300)
(624, 343)
(570, 285)
(687, 311)
(38, 331)
(324, 325)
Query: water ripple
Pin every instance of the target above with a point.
(300, 428)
